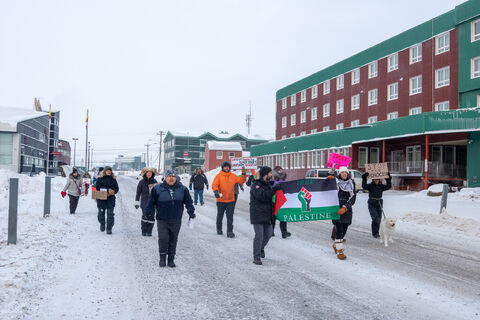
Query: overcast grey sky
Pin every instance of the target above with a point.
(143, 66)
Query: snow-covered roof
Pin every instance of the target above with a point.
(224, 145)
(10, 117)
(219, 135)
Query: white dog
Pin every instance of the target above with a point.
(386, 230)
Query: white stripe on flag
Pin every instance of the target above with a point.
(319, 199)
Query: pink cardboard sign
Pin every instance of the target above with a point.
(337, 160)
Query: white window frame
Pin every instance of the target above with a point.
(355, 105)
(392, 91)
(293, 119)
(292, 135)
(361, 150)
(446, 47)
(415, 110)
(326, 128)
(326, 110)
(303, 116)
(340, 82)
(392, 62)
(284, 137)
(442, 106)
(231, 155)
(340, 106)
(372, 119)
(373, 97)
(303, 133)
(417, 89)
(326, 87)
(313, 131)
(356, 76)
(313, 114)
(293, 99)
(284, 122)
(314, 91)
(392, 115)
(354, 123)
(284, 103)
(416, 53)
(445, 74)
(339, 126)
(413, 151)
(373, 69)
(219, 155)
(303, 95)
(475, 36)
(475, 73)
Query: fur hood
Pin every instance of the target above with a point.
(147, 169)
(70, 176)
(102, 174)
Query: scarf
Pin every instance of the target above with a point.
(346, 185)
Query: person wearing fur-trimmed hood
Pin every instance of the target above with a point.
(346, 198)
(73, 188)
(107, 180)
(144, 188)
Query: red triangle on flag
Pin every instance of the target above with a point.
(280, 200)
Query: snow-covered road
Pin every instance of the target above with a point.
(94, 276)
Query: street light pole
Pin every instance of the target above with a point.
(148, 163)
(74, 150)
(160, 150)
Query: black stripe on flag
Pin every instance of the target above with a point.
(312, 185)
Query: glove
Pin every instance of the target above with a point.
(217, 194)
(277, 187)
(111, 192)
(330, 177)
(190, 187)
(389, 175)
(192, 216)
(365, 175)
(342, 210)
(207, 186)
(137, 204)
(63, 193)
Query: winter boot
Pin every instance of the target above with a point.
(149, 234)
(171, 264)
(230, 234)
(163, 260)
(339, 249)
(109, 231)
(102, 227)
(262, 253)
(219, 231)
(257, 261)
(334, 248)
(144, 234)
(202, 203)
(286, 234)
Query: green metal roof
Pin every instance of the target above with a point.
(209, 135)
(429, 122)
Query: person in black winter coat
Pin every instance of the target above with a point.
(261, 210)
(169, 199)
(199, 182)
(141, 199)
(280, 176)
(375, 201)
(107, 181)
(346, 198)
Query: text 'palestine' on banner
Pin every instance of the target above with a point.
(307, 200)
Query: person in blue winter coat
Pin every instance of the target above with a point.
(169, 199)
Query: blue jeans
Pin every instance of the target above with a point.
(196, 194)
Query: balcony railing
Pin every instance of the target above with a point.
(435, 169)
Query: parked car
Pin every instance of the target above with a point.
(323, 173)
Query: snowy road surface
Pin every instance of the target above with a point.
(93, 276)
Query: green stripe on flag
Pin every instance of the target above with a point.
(297, 215)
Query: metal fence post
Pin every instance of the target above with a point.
(48, 191)
(12, 210)
(443, 204)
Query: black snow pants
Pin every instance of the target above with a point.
(147, 223)
(339, 229)
(283, 225)
(73, 203)
(375, 209)
(110, 217)
(168, 236)
(227, 208)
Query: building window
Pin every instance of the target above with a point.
(362, 156)
(303, 116)
(416, 110)
(372, 119)
(392, 115)
(326, 128)
(303, 133)
(340, 106)
(303, 96)
(392, 91)
(293, 100)
(442, 106)
(284, 137)
(416, 53)
(231, 155)
(293, 119)
(478, 101)
(314, 113)
(476, 30)
(356, 102)
(413, 158)
(442, 43)
(476, 67)
(374, 155)
(415, 85)
(340, 83)
(442, 77)
(373, 69)
(284, 103)
(219, 155)
(393, 62)
(326, 87)
(292, 135)
(284, 122)
(355, 76)
(355, 123)
(326, 110)
(314, 92)
(339, 126)
(372, 97)
(313, 131)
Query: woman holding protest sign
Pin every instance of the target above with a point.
(375, 201)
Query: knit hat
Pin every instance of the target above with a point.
(264, 171)
(170, 172)
(343, 169)
(74, 170)
(107, 168)
(226, 164)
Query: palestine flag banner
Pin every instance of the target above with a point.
(307, 200)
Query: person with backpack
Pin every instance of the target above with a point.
(375, 202)
(73, 188)
(107, 181)
(141, 198)
(199, 182)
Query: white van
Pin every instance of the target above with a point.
(323, 173)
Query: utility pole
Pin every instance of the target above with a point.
(148, 163)
(74, 150)
(88, 156)
(86, 142)
(160, 150)
(248, 119)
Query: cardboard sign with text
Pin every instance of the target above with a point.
(247, 163)
(99, 194)
(337, 160)
(377, 170)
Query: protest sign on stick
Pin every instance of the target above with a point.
(377, 170)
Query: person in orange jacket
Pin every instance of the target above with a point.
(223, 187)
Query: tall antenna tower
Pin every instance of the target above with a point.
(249, 118)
